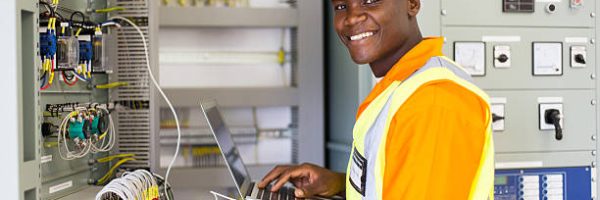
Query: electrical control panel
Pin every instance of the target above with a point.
(537, 61)
(89, 115)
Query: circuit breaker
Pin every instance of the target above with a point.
(537, 62)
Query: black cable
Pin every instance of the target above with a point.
(43, 75)
(75, 13)
(60, 17)
(69, 78)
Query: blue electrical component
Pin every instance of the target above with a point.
(543, 184)
(76, 130)
(47, 45)
(85, 51)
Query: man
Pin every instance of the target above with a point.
(423, 132)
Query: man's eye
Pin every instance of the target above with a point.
(340, 7)
(366, 2)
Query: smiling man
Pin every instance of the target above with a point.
(424, 132)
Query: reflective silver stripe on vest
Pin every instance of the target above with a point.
(441, 62)
(373, 138)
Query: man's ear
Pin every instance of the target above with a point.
(413, 7)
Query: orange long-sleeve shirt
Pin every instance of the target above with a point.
(435, 139)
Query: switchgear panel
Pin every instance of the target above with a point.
(537, 61)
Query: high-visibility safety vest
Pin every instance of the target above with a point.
(366, 167)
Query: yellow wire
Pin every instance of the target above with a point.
(78, 31)
(50, 144)
(112, 85)
(107, 10)
(46, 65)
(109, 158)
(51, 77)
(281, 56)
(111, 171)
(103, 135)
(84, 70)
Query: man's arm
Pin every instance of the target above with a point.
(434, 144)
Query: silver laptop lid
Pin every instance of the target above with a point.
(230, 153)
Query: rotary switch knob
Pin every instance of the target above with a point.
(502, 58)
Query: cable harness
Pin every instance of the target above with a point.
(90, 128)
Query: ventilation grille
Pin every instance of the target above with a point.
(133, 125)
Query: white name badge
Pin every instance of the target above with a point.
(358, 172)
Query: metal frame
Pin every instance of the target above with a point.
(311, 141)
(26, 172)
(307, 95)
(228, 17)
(153, 10)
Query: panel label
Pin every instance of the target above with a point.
(576, 40)
(491, 38)
(45, 159)
(60, 187)
(518, 165)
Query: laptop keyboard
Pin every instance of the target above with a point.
(285, 193)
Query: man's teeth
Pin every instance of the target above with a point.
(361, 36)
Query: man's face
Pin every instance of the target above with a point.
(371, 29)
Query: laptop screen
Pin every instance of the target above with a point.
(225, 142)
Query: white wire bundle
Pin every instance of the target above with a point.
(144, 42)
(139, 184)
(62, 138)
(87, 145)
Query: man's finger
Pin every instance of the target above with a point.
(272, 175)
(291, 173)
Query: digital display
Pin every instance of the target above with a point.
(518, 6)
(500, 180)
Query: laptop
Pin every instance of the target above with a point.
(247, 189)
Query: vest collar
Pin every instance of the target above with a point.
(407, 65)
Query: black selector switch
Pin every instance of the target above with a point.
(553, 116)
(502, 58)
(579, 58)
(496, 118)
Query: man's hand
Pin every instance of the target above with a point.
(309, 180)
